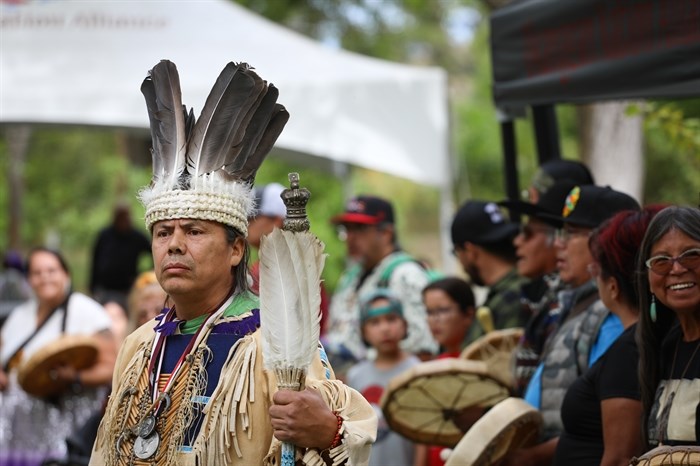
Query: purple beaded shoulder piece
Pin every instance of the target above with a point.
(241, 327)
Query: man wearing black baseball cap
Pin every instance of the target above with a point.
(368, 227)
(586, 327)
(483, 243)
(558, 170)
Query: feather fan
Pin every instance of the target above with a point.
(290, 299)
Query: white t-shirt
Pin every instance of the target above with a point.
(85, 317)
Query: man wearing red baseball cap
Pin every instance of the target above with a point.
(367, 225)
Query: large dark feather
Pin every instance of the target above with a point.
(149, 92)
(161, 90)
(242, 123)
(216, 129)
(272, 131)
(257, 122)
(189, 122)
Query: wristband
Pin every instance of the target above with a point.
(338, 437)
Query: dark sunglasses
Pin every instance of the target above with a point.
(528, 231)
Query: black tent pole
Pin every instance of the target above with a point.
(546, 133)
(510, 165)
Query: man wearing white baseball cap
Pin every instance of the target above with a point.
(269, 213)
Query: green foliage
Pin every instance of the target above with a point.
(72, 179)
(673, 151)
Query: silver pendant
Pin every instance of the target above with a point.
(167, 401)
(164, 405)
(145, 447)
(147, 426)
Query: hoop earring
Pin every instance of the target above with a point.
(652, 308)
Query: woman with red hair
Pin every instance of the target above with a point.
(602, 410)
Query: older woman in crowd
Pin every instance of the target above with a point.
(601, 411)
(33, 429)
(669, 327)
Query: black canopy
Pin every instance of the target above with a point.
(545, 52)
(550, 51)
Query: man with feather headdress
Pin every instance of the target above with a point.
(193, 390)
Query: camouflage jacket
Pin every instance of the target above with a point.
(503, 299)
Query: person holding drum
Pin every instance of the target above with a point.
(601, 411)
(669, 327)
(586, 328)
(33, 429)
(450, 305)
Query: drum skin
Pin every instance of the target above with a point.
(496, 349)
(669, 456)
(508, 426)
(34, 375)
(424, 402)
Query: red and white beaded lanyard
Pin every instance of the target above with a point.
(147, 441)
(158, 348)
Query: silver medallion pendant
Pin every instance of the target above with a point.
(145, 447)
(166, 402)
(147, 426)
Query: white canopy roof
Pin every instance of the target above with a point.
(82, 62)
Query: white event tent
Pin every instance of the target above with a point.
(82, 63)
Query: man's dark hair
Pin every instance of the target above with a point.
(239, 272)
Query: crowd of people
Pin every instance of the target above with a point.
(599, 285)
(577, 268)
(605, 291)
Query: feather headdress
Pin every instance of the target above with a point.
(205, 168)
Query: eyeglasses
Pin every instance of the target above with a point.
(528, 231)
(439, 312)
(662, 265)
(565, 234)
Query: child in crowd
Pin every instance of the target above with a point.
(382, 327)
(449, 304)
